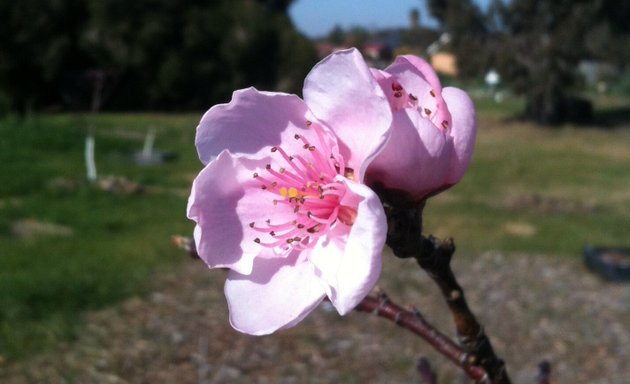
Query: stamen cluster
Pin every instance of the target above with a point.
(308, 183)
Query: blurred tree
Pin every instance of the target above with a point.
(191, 53)
(358, 36)
(419, 37)
(355, 36)
(540, 50)
(337, 35)
(416, 37)
(467, 26)
(164, 54)
(277, 5)
(537, 45)
(609, 39)
(542, 43)
(38, 50)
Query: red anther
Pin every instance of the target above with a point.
(396, 86)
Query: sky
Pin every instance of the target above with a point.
(315, 18)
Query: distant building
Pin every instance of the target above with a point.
(373, 50)
(444, 63)
(383, 45)
(597, 73)
(377, 54)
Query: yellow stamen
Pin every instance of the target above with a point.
(290, 193)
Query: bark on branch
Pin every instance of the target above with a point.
(434, 256)
(413, 321)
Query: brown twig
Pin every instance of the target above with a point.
(409, 319)
(434, 256)
(427, 375)
(477, 356)
(544, 372)
(413, 321)
(187, 244)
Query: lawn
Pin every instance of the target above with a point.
(541, 190)
(68, 245)
(529, 189)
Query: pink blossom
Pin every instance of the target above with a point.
(281, 201)
(433, 130)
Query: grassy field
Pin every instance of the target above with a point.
(534, 189)
(67, 246)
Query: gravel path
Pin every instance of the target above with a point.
(534, 307)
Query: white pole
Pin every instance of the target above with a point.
(90, 165)
(149, 139)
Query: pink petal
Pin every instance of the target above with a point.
(419, 79)
(224, 200)
(251, 123)
(349, 259)
(380, 75)
(463, 131)
(278, 294)
(342, 93)
(419, 67)
(416, 157)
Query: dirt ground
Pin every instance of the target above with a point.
(534, 308)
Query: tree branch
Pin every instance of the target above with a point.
(435, 259)
(415, 322)
(434, 256)
(475, 355)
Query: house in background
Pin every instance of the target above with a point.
(444, 63)
(383, 45)
(598, 74)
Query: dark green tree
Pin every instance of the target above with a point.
(537, 46)
(468, 28)
(337, 35)
(157, 54)
(191, 54)
(39, 51)
(280, 6)
(609, 38)
(542, 43)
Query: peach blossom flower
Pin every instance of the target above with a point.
(281, 201)
(433, 131)
(433, 128)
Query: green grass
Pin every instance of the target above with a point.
(574, 185)
(118, 241)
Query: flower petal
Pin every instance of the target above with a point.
(342, 93)
(416, 157)
(418, 78)
(417, 66)
(252, 122)
(349, 259)
(224, 200)
(278, 294)
(463, 131)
